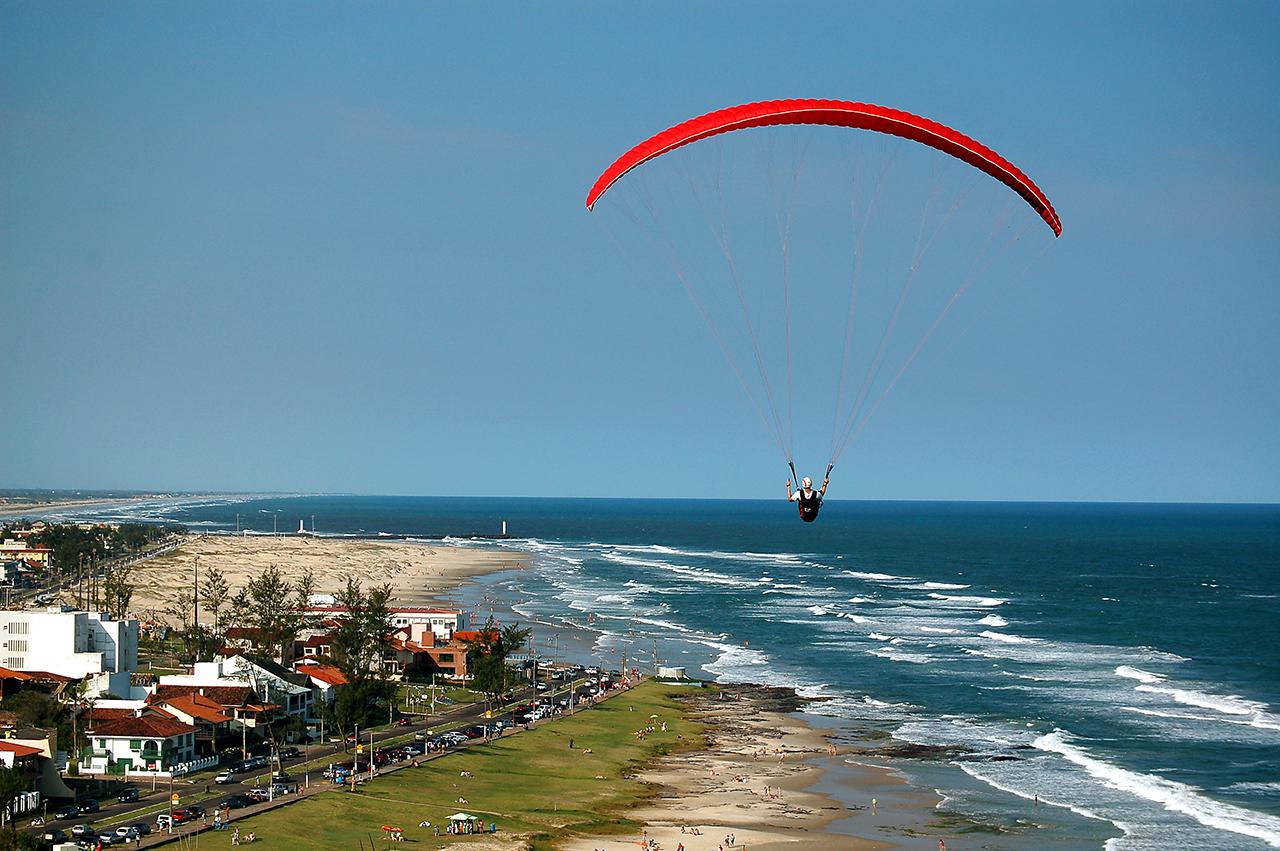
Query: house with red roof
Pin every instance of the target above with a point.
(324, 679)
(150, 741)
(211, 721)
(417, 649)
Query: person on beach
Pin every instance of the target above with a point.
(810, 500)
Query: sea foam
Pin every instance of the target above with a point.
(969, 601)
(1173, 796)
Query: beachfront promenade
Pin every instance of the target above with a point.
(244, 821)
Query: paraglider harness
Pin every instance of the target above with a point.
(808, 505)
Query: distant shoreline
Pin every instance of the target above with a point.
(36, 509)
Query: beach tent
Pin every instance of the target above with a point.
(465, 823)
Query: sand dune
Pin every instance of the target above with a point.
(417, 572)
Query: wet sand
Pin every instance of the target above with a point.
(759, 783)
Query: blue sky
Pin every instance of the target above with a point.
(342, 247)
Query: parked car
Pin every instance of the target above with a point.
(194, 811)
(281, 777)
(128, 795)
(142, 827)
(83, 831)
(103, 840)
(88, 805)
(227, 776)
(127, 832)
(237, 802)
(56, 837)
(67, 812)
(163, 821)
(290, 753)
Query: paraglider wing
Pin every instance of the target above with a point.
(863, 116)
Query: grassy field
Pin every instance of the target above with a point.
(531, 784)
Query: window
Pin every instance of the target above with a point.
(446, 657)
(18, 645)
(17, 663)
(135, 744)
(102, 743)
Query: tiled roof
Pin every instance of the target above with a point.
(222, 695)
(17, 749)
(197, 706)
(35, 676)
(102, 715)
(327, 674)
(147, 725)
(474, 635)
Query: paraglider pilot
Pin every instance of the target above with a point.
(810, 500)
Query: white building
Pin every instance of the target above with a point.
(443, 622)
(148, 742)
(75, 644)
(272, 683)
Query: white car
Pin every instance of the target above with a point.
(225, 777)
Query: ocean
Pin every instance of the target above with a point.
(1121, 663)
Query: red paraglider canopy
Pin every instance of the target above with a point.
(839, 113)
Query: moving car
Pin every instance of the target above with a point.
(128, 795)
(227, 776)
(88, 805)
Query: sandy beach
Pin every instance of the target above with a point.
(417, 572)
(754, 785)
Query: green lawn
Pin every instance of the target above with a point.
(531, 784)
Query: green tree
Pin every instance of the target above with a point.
(238, 609)
(214, 594)
(78, 702)
(12, 784)
(487, 657)
(178, 617)
(359, 643)
(273, 613)
(360, 639)
(117, 591)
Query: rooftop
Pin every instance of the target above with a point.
(148, 725)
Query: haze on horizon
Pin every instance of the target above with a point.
(338, 248)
